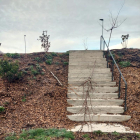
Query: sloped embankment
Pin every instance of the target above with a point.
(40, 101)
(128, 61)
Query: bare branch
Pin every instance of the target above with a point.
(119, 11)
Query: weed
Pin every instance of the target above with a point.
(23, 99)
(57, 63)
(65, 63)
(38, 59)
(42, 73)
(124, 63)
(11, 138)
(85, 136)
(34, 77)
(2, 109)
(115, 133)
(138, 135)
(24, 134)
(43, 134)
(49, 62)
(6, 103)
(53, 54)
(25, 72)
(98, 132)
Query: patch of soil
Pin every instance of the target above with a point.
(40, 101)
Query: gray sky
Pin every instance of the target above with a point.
(68, 23)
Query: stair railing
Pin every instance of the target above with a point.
(103, 44)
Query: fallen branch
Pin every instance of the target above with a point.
(56, 78)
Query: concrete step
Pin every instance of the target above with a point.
(96, 102)
(96, 70)
(96, 89)
(96, 109)
(86, 75)
(86, 63)
(80, 95)
(91, 51)
(81, 80)
(99, 117)
(87, 58)
(87, 66)
(99, 84)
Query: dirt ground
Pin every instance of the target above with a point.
(40, 101)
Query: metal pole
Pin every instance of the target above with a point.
(25, 43)
(102, 28)
(112, 69)
(119, 85)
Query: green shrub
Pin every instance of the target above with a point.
(124, 63)
(8, 54)
(67, 53)
(48, 56)
(31, 67)
(110, 55)
(38, 67)
(53, 54)
(2, 109)
(13, 55)
(49, 62)
(34, 72)
(9, 71)
(38, 59)
(66, 63)
(85, 136)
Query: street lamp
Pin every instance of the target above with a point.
(102, 26)
(25, 43)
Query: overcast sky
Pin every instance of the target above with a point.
(68, 23)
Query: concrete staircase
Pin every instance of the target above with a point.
(104, 105)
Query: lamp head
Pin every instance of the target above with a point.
(101, 19)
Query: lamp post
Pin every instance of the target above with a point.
(102, 26)
(25, 43)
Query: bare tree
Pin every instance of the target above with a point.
(125, 40)
(114, 22)
(85, 44)
(44, 39)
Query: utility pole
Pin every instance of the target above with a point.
(25, 43)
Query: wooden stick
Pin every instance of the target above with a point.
(56, 78)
